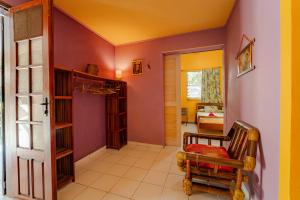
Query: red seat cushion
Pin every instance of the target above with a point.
(212, 151)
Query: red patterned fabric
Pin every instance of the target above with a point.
(212, 151)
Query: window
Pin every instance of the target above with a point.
(194, 80)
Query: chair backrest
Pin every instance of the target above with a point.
(243, 143)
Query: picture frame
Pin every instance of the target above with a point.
(137, 67)
(244, 60)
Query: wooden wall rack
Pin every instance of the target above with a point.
(115, 92)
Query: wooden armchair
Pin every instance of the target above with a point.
(216, 169)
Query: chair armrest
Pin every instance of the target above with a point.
(183, 156)
(206, 136)
(188, 138)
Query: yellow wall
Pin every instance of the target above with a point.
(197, 61)
(295, 127)
(285, 101)
(290, 101)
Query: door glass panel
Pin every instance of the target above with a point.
(36, 51)
(23, 108)
(37, 79)
(23, 53)
(38, 138)
(23, 81)
(23, 135)
(37, 109)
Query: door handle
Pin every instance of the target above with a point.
(45, 103)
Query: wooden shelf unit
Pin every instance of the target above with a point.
(63, 126)
(116, 117)
(66, 81)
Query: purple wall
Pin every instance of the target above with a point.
(75, 46)
(254, 97)
(145, 93)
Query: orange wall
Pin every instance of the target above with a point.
(194, 62)
(295, 127)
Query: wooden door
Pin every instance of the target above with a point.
(31, 66)
(172, 100)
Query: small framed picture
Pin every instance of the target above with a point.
(137, 67)
(244, 60)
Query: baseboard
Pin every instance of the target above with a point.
(144, 144)
(90, 156)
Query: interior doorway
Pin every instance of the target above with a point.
(194, 94)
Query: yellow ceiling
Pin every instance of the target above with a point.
(126, 21)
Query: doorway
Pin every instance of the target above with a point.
(194, 94)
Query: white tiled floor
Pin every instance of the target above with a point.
(136, 172)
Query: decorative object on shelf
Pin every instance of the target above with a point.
(92, 69)
(244, 57)
(137, 67)
(119, 74)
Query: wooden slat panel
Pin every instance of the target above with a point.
(170, 129)
(170, 80)
(172, 100)
(23, 176)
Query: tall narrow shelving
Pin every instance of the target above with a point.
(63, 126)
(116, 116)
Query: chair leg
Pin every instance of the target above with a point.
(187, 186)
(187, 182)
(238, 193)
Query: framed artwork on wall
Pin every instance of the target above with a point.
(137, 67)
(244, 59)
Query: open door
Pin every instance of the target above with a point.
(172, 100)
(29, 162)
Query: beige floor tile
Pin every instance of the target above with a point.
(83, 162)
(70, 191)
(155, 148)
(118, 170)
(101, 156)
(150, 155)
(111, 196)
(136, 174)
(161, 166)
(148, 192)
(87, 177)
(127, 160)
(171, 194)
(141, 147)
(174, 169)
(144, 163)
(202, 196)
(79, 170)
(105, 182)
(101, 166)
(165, 156)
(136, 153)
(125, 187)
(174, 182)
(112, 158)
(155, 177)
(90, 194)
